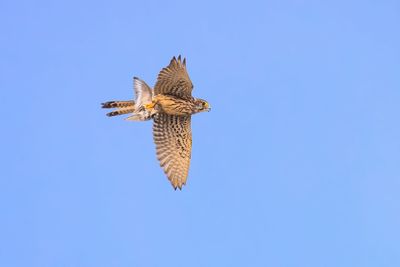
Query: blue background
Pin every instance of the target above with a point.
(296, 165)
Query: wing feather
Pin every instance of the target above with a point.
(174, 80)
(142, 91)
(173, 139)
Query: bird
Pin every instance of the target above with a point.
(170, 105)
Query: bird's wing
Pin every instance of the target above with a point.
(142, 91)
(173, 139)
(174, 80)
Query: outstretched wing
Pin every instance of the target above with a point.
(142, 91)
(174, 80)
(173, 139)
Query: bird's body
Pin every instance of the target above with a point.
(170, 105)
(173, 105)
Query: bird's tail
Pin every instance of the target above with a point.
(122, 107)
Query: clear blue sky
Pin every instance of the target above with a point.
(298, 164)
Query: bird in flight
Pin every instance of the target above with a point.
(170, 105)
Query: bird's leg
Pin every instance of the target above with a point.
(149, 106)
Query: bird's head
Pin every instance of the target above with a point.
(201, 105)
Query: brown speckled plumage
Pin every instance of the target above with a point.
(173, 139)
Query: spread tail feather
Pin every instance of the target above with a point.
(144, 95)
(120, 111)
(118, 104)
(122, 107)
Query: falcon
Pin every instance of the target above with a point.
(170, 105)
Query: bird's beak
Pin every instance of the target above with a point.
(208, 107)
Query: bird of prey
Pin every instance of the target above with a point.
(170, 105)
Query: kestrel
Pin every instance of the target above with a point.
(171, 106)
